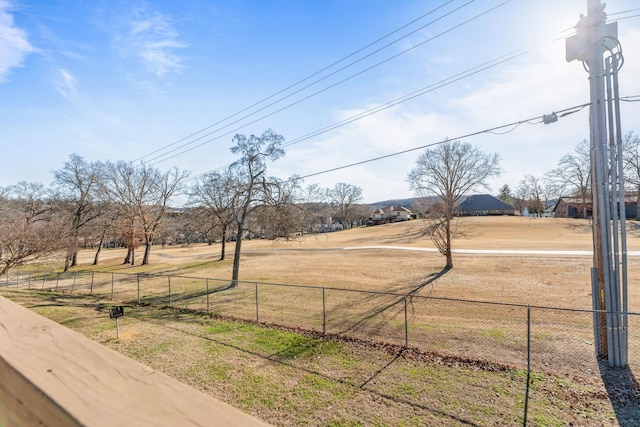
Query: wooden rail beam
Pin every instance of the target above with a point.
(53, 376)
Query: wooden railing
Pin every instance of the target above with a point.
(52, 376)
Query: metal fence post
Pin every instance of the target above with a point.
(112, 286)
(57, 280)
(91, 286)
(169, 283)
(73, 284)
(207, 285)
(406, 324)
(324, 313)
(257, 317)
(138, 278)
(29, 280)
(526, 396)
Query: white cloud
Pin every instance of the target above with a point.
(150, 37)
(14, 46)
(66, 84)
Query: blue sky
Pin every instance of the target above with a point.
(132, 80)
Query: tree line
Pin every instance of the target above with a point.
(97, 204)
(100, 204)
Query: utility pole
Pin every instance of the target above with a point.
(596, 45)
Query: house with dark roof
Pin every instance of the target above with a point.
(571, 207)
(483, 205)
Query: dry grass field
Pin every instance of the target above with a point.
(290, 376)
(321, 260)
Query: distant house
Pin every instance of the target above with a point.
(390, 214)
(324, 224)
(483, 205)
(571, 207)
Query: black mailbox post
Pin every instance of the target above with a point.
(115, 313)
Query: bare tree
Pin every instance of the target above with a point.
(532, 189)
(252, 187)
(119, 184)
(214, 191)
(281, 216)
(102, 225)
(77, 185)
(550, 190)
(631, 156)
(520, 199)
(162, 186)
(141, 195)
(313, 201)
(573, 174)
(345, 197)
(450, 171)
(29, 230)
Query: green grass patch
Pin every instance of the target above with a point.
(254, 389)
(219, 371)
(344, 422)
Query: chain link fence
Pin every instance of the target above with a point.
(529, 338)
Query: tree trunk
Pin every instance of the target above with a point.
(128, 258)
(236, 257)
(147, 251)
(4, 269)
(448, 234)
(224, 243)
(66, 261)
(96, 257)
(102, 237)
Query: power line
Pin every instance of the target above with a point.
(428, 89)
(573, 29)
(425, 90)
(164, 157)
(160, 158)
(532, 121)
(624, 11)
(316, 73)
(489, 130)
